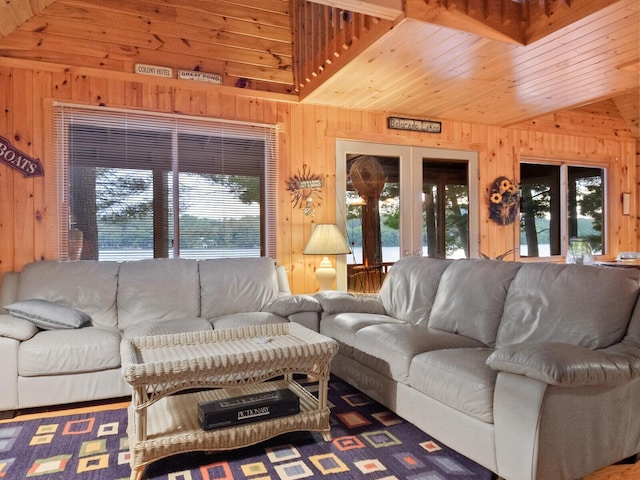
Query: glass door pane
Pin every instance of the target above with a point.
(402, 201)
(373, 208)
(373, 218)
(445, 208)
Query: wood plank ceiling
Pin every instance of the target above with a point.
(442, 59)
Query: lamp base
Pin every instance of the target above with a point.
(326, 274)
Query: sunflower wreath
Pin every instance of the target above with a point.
(504, 201)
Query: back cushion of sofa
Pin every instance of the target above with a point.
(581, 305)
(471, 298)
(236, 285)
(86, 285)
(157, 289)
(410, 287)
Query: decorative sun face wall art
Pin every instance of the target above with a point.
(305, 190)
(504, 201)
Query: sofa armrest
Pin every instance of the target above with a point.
(16, 328)
(569, 365)
(343, 302)
(287, 305)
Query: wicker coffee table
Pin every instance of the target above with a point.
(163, 419)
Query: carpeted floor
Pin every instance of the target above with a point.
(369, 442)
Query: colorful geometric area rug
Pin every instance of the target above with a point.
(369, 442)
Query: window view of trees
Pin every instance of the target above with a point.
(146, 187)
(445, 209)
(542, 218)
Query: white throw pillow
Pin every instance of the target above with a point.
(48, 315)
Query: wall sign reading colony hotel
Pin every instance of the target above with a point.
(28, 166)
(414, 125)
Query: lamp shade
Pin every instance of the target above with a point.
(326, 239)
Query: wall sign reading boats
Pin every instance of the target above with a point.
(28, 166)
(414, 125)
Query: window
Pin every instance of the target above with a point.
(141, 185)
(559, 202)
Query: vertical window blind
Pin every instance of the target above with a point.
(137, 185)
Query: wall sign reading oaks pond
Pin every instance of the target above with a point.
(28, 166)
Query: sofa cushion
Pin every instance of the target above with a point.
(86, 285)
(157, 289)
(343, 327)
(246, 319)
(410, 287)
(166, 327)
(56, 352)
(458, 378)
(580, 305)
(48, 315)
(332, 301)
(389, 348)
(236, 285)
(471, 298)
(286, 305)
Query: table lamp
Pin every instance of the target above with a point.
(325, 240)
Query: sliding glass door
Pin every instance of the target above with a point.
(399, 201)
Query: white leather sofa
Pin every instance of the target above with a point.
(146, 297)
(531, 370)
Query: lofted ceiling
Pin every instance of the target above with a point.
(486, 61)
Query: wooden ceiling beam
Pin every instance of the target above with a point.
(386, 9)
(521, 22)
(551, 15)
(495, 19)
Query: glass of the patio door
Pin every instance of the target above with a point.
(445, 208)
(412, 201)
(373, 218)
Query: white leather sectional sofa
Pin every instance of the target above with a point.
(109, 300)
(531, 370)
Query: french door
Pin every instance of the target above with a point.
(398, 201)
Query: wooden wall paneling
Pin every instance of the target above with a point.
(182, 100)
(316, 165)
(159, 98)
(51, 230)
(98, 90)
(115, 92)
(21, 138)
(41, 89)
(134, 94)
(190, 101)
(284, 215)
(299, 234)
(61, 86)
(370, 122)
(228, 104)
(198, 101)
(247, 110)
(214, 103)
(491, 164)
(7, 216)
(81, 88)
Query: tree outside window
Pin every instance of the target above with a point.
(144, 187)
(560, 202)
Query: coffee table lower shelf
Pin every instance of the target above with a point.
(172, 424)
